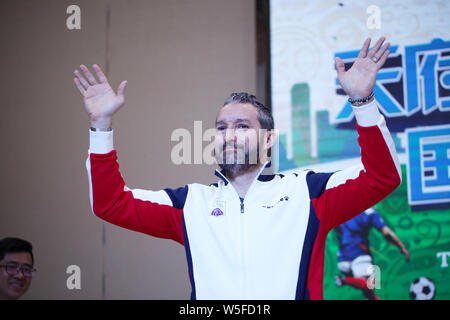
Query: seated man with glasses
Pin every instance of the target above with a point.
(16, 268)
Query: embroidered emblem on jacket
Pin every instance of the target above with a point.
(285, 198)
(217, 212)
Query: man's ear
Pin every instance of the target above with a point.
(271, 136)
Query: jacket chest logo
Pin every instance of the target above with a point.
(217, 212)
(219, 208)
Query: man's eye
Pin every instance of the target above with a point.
(220, 128)
(242, 126)
(12, 265)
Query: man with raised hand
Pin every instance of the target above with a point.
(252, 235)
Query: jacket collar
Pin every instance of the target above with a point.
(264, 174)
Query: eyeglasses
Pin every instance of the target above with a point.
(13, 268)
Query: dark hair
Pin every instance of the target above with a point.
(264, 115)
(15, 245)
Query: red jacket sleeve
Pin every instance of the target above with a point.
(349, 192)
(114, 203)
(339, 196)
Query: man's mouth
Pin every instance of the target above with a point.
(16, 285)
(232, 148)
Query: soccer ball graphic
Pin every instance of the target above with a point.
(422, 289)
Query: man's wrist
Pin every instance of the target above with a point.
(101, 129)
(101, 124)
(360, 104)
(357, 102)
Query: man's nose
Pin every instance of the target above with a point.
(19, 274)
(230, 135)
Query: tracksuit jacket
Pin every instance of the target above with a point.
(269, 245)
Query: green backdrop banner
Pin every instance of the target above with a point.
(317, 126)
(426, 234)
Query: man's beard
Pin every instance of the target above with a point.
(232, 170)
(239, 162)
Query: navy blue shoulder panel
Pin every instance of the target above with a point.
(317, 183)
(178, 196)
(266, 177)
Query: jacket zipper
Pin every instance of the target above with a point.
(243, 250)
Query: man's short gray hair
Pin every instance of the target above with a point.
(264, 115)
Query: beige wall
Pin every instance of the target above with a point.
(181, 59)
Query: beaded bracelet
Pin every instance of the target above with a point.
(358, 102)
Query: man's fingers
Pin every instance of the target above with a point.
(383, 59)
(377, 56)
(83, 81)
(101, 76)
(121, 88)
(88, 74)
(376, 47)
(79, 86)
(339, 64)
(365, 47)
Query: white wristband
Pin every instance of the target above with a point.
(101, 142)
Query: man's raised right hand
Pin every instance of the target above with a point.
(100, 100)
